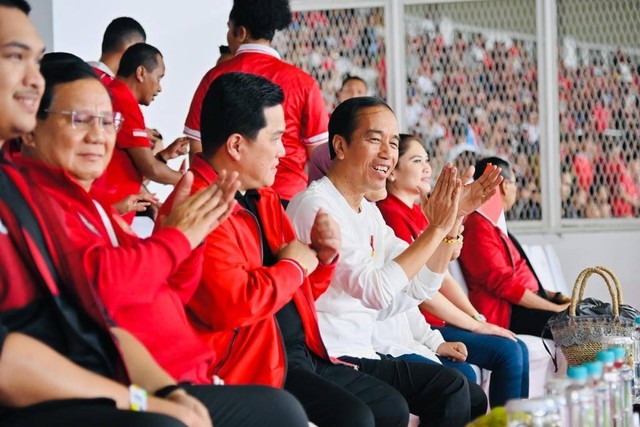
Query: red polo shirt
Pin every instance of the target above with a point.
(122, 178)
(305, 113)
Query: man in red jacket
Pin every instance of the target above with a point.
(255, 302)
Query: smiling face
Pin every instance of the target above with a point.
(258, 158)
(413, 172)
(21, 84)
(372, 152)
(84, 151)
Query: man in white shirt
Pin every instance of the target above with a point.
(379, 275)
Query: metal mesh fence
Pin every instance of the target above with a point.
(329, 44)
(472, 88)
(599, 106)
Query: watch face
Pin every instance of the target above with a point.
(137, 398)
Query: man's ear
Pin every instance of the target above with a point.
(339, 146)
(235, 146)
(503, 185)
(141, 73)
(242, 34)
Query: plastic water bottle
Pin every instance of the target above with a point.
(556, 388)
(636, 361)
(611, 377)
(626, 381)
(580, 398)
(601, 391)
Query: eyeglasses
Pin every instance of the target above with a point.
(109, 122)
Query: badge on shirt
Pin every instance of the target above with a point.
(3, 229)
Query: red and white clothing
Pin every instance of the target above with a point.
(103, 71)
(496, 274)
(233, 310)
(407, 223)
(144, 283)
(122, 178)
(304, 110)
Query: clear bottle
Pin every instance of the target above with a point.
(580, 398)
(626, 382)
(556, 388)
(611, 377)
(601, 391)
(636, 361)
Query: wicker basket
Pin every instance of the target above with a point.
(580, 336)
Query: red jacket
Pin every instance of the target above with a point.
(26, 281)
(234, 308)
(496, 274)
(143, 282)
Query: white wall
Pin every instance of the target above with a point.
(187, 33)
(620, 251)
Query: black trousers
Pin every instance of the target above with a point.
(530, 321)
(228, 405)
(380, 393)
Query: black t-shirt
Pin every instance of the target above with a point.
(288, 316)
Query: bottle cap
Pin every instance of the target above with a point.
(606, 356)
(594, 369)
(577, 372)
(618, 352)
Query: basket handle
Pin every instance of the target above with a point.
(615, 280)
(581, 282)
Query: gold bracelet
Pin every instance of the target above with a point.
(452, 240)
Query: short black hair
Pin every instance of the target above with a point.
(17, 4)
(262, 18)
(58, 68)
(137, 55)
(235, 103)
(349, 77)
(482, 164)
(343, 119)
(119, 32)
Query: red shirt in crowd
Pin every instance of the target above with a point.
(304, 110)
(122, 178)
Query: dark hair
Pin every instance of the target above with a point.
(403, 144)
(224, 49)
(16, 4)
(137, 55)
(58, 68)
(343, 120)
(119, 32)
(261, 18)
(349, 77)
(482, 164)
(235, 103)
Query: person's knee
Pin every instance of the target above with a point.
(354, 413)
(282, 408)
(393, 411)
(477, 399)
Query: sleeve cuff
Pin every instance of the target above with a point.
(298, 267)
(426, 284)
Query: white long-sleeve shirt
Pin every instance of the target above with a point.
(368, 284)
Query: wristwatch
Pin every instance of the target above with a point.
(137, 398)
(479, 317)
